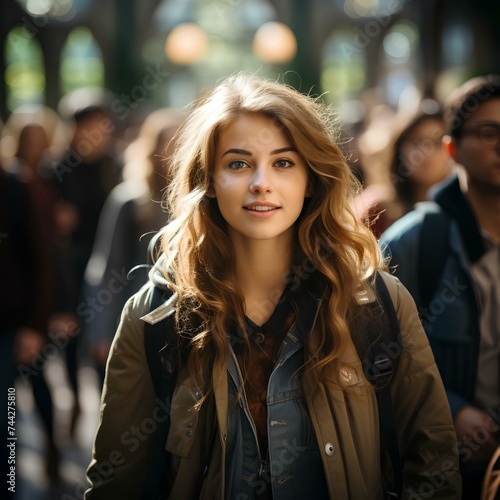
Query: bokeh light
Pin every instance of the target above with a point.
(274, 43)
(186, 44)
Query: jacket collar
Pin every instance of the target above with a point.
(163, 311)
(453, 202)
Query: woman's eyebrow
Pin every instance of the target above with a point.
(248, 153)
(283, 150)
(238, 152)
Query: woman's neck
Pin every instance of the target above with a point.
(262, 270)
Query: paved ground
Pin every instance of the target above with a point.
(32, 483)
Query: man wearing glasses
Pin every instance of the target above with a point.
(447, 253)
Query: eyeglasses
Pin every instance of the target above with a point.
(488, 133)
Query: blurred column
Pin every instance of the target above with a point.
(431, 28)
(10, 14)
(51, 41)
(306, 62)
(123, 67)
(3, 34)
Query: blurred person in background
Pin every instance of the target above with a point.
(403, 158)
(83, 174)
(32, 141)
(29, 133)
(132, 214)
(418, 161)
(25, 303)
(373, 141)
(452, 269)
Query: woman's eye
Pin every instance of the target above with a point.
(284, 164)
(237, 164)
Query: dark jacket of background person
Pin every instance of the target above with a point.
(33, 142)
(24, 256)
(451, 319)
(25, 301)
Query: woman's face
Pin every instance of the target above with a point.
(260, 181)
(423, 155)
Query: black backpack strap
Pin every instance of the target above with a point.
(432, 253)
(377, 338)
(385, 367)
(156, 338)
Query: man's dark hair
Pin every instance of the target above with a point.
(467, 98)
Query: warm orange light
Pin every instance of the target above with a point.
(186, 44)
(274, 43)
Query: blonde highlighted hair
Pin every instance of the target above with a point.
(199, 254)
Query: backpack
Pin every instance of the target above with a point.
(432, 252)
(378, 343)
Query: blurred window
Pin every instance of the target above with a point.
(81, 61)
(399, 61)
(343, 74)
(24, 68)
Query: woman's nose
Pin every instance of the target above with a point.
(260, 181)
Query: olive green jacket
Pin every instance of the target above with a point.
(345, 420)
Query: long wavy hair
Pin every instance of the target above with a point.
(200, 256)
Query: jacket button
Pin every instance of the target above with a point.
(329, 449)
(259, 337)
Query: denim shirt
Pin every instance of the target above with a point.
(293, 466)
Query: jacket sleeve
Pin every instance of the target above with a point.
(426, 434)
(124, 443)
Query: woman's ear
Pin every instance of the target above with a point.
(309, 189)
(211, 191)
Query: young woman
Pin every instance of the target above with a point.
(419, 161)
(265, 262)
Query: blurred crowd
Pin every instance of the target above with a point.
(81, 200)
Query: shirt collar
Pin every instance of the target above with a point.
(303, 303)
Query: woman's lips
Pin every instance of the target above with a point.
(261, 211)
